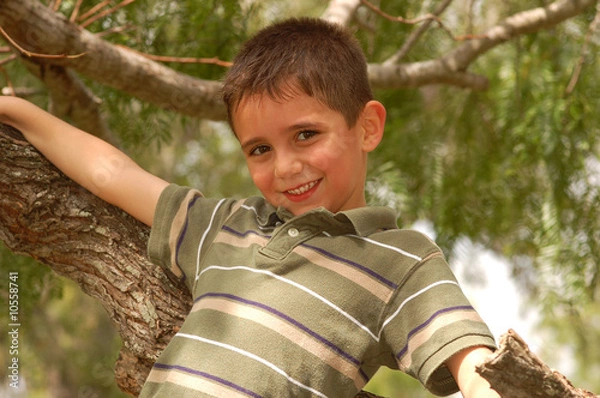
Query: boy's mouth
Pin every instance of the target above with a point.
(302, 192)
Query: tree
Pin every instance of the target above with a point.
(49, 218)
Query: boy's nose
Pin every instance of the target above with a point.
(287, 165)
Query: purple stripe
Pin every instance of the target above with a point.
(353, 264)
(287, 318)
(427, 322)
(364, 375)
(207, 376)
(183, 232)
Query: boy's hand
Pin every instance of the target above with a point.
(462, 366)
(96, 165)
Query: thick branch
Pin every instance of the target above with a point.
(49, 217)
(525, 22)
(420, 74)
(38, 29)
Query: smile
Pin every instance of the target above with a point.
(304, 188)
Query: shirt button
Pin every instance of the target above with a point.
(293, 232)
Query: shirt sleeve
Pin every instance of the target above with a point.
(429, 321)
(184, 222)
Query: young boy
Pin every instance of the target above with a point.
(307, 291)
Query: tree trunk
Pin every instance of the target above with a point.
(47, 216)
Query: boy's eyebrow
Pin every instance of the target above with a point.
(303, 126)
(251, 142)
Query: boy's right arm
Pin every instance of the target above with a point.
(96, 165)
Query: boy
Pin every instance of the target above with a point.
(307, 291)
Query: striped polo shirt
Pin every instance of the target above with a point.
(303, 306)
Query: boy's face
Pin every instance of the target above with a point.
(302, 155)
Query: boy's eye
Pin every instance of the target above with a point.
(306, 134)
(260, 150)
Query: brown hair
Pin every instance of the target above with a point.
(323, 60)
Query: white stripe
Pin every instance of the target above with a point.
(261, 227)
(212, 218)
(251, 208)
(445, 282)
(252, 356)
(397, 250)
(299, 286)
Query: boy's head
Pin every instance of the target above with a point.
(311, 56)
(300, 104)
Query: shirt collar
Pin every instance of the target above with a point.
(370, 219)
(362, 221)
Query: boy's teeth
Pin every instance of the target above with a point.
(303, 188)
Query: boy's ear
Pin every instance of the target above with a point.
(373, 123)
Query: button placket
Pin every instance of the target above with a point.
(283, 241)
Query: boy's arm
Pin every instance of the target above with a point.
(462, 366)
(96, 165)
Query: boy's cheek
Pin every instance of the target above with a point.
(261, 179)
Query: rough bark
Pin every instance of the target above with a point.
(516, 372)
(47, 216)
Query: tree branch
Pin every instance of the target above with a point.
(37, 29)
(47, 216)
(416, 34)
(515, 372)
(340, 11)
(450, 68)
(522, 23)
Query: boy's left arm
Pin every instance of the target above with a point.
(462, 366)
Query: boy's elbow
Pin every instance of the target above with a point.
(107, 171)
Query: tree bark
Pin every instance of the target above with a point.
(49, 217)
(516, 372)
(37, 29)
